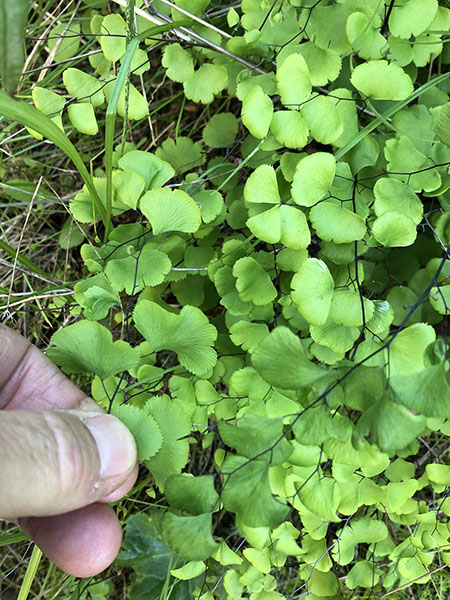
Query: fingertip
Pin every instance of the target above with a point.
(124, 488)
(83, 543)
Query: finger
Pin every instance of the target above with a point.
(29, 380)
(82, 543)
(55, 462)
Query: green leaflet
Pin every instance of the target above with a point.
(188, 334)
(254, 435)
(144, 550)
(174, 424)
(189, 535)
(313, 177)
(281, 360)
(257, 111)
(87, 346)
(252, 282)
(170, 210)
(382, 80)
(143, 427)
(250, 479)
(195, 495)
(312, 291)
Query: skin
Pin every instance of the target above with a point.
(51, 477)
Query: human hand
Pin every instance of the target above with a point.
(61, 460)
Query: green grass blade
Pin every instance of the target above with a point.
(31, 117)
(13, 538)
(22, 260)
(30, 574)
(111, 110)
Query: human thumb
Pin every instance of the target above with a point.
(52, 462)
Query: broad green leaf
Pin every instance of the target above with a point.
(68, 39)
(257, 111)
(259, 558)
(225, 556)
(206, 83)
(225, 284)
(113, 39)
(408, 164)
(440, 299)
(408, 347)
(195, 7)
(320, 495)
(190, 536)
(189, 334)
(312, 291)
(178, 62)
(183, 154)
(322, 584)
(413, 569)
(294, 230)
(148, 266)
(316, 425)
(281, 361)
(313, 177)
(441, 125)
(362, 574)
(324, 64)
(82, 117)
(426, 392)
(293, 81)
(394, 229)
(262, 186)
(381, 80)
(144, 551)
(221, 130)
(289, 128)
(254, 435)
(244, 479)
(400, 492)
(400, 470)
(211, 204)
(412, 17)
(337, 224)
(195, 495)
(143, 427)
(96, 296)
(248, 335)
(83, 86)
(266, 225)
(49, 103)
(347, 309)
(393, 195)
(337, 338)
(391, 426)
(437, 473)
(363, 33)
(190, 570)
(174, 425)
(87, 347)
(364, 387)
(137, 104)
(128, 187)
(170, 210)
(139, 63)
(323, 119)
(252, 282)
(153, 170)
(362, 530)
